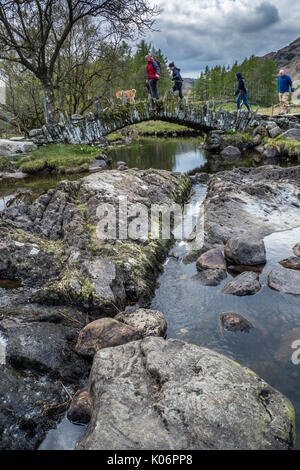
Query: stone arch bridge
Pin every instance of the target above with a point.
(94, 126)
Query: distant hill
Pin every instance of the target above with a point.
(288, 58)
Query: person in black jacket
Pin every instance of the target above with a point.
(177, 79)
(241, 92)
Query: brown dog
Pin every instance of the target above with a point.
(128, 93)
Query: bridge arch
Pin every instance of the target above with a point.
(92, 127)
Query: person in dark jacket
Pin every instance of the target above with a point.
(177, 79)
(241, 92)
(285, 85)
(153, 75)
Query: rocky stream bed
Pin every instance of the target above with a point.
(64, 292)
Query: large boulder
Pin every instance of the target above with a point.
(246, 283)
(231, 153)
(10, 147)
(274, 132)
(271, 151)
(245, 251)
(104, 333)
(157, 394)
(286, 281)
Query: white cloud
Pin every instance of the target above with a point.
(195, 33)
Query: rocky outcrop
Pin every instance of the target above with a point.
(246, 283)
(157, 394)
(251, 203)
(11, 147)
(68, 277)
(286, 281)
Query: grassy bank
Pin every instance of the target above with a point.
(56, 158)
(156, 127)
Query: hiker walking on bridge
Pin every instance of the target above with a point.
(285, 84)
(177, 79)
(241, 92)
(153, 75)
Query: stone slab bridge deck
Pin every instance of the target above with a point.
(92, 127)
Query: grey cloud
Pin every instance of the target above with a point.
(196, 37)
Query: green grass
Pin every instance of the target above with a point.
(113, 137)
(150, 127)
(59, 158)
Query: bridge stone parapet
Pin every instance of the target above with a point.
(93, 127)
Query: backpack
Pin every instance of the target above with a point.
(159, 66)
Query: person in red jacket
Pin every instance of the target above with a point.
(153, 73)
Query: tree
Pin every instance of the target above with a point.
(33, 32)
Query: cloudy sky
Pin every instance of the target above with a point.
(195, 33)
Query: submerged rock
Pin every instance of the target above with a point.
(211, 277)
(157, 394)
(235, 322)
(245, 251)
(246, 283)
(291, 263)
(104, 333)
(285, 280)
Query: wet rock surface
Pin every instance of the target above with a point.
(245, 251)
(246, 283)
(286, 281)
(291, 263)
(211, 259)
(80, 408)
(67, 277)
(192, 398)
(234, 322)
